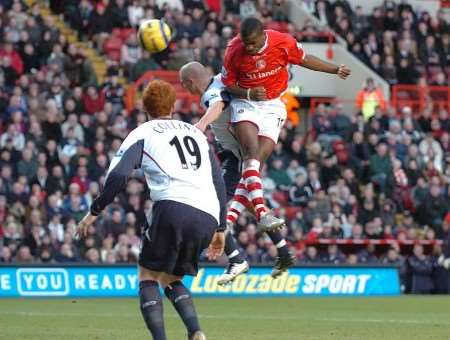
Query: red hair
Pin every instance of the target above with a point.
(159, 98)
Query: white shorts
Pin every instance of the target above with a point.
(268, 116)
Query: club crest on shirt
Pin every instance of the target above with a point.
(260, 64)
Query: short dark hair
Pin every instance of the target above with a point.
(250, 26)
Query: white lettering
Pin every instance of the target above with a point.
(310, 281)
(119, 281)
(28, 281)
(106, 283)
(322, 282)
(41, 281)
(349, 284)
(362, 282)
(260, 75)
(93, 281)
(80, 282)
(5, 283)
(56, 281)
(335, 284)
(133, 281)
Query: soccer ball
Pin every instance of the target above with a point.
(154, 35)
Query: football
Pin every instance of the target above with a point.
(154, 35)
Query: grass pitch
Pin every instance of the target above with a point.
(402, 318)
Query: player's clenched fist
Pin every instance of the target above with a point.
(257, 93)
(343, 71)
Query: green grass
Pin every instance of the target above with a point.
(402, 318)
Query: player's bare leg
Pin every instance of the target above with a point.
(284, 259)
(151, 302)
(247, 134)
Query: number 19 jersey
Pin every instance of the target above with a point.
(176, 163)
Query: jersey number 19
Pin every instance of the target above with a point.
(191, 147)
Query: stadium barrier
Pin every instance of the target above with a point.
(121, 281)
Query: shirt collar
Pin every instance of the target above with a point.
(266, 44)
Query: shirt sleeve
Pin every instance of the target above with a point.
(229, 72)
(294, 50)
(120, 169)
(219, 184)
(216, 94)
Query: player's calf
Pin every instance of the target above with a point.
(181, 299)
(152, 308)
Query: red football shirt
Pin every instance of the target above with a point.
(268, 68)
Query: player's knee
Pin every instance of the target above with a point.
(147, 275)
(167, 280)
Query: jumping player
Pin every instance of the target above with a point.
(255, 74)
(186, 185)
(196, 79)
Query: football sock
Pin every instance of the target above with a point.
(181, 299)
(232, 250)
(152, 308)
(253, 185)
(239, 203)
(279, 242)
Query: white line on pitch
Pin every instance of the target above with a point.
(240, 317)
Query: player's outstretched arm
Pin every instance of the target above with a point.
(316, 64)
(211, 115)
(119, 171)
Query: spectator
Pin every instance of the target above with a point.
(381, 168)
(421, 269)
(369, 98)
(300, 192)
(433, 208)
(100, 24)
(333, 255)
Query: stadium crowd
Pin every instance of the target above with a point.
(398, 42)
(362, 178)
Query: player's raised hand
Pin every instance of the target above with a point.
(216, 246)
(258, 93)
(83, 226)
(343, 71)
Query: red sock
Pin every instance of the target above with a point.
(253, 184)
(239, 202)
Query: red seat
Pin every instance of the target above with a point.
(291, 212)
(114, 55)
(281, 197)
(124, 33)
(113, 43)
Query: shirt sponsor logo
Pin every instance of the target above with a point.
(260, 75)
